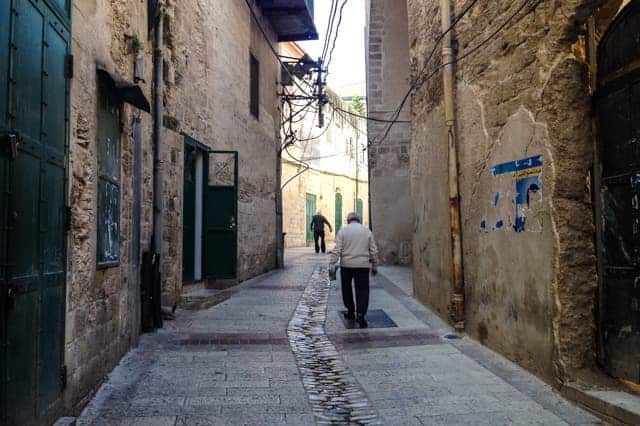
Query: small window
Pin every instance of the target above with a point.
(108, 241)
(254, 102)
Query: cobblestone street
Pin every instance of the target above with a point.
(263, 356)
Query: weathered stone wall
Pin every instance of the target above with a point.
(324, 186)
(387, 83)
(529, 294)
(207, 97)
(101, 304)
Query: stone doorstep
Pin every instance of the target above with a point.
(612, 405)
(203, 299)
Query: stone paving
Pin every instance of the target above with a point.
(277, 352)
(335, 395)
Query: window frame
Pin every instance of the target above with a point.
(254, 86)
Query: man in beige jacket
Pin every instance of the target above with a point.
(357, 252)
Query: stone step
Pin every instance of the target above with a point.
(615, 405)
(203, 299)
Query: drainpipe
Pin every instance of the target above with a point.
(155, 296)
(157, 136)
(457, 301)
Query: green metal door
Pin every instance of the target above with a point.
(220, 215)
(189, 213)
(338, 220)
(311, 210)
(617, 104)
(34, 45)
(360, 209)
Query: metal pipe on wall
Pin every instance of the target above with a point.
(158, 112)
(457, 300)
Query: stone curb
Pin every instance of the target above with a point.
(608, 410)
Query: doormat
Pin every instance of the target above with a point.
(376, 318)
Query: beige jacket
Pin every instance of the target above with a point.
(355, 247)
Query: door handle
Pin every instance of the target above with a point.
(10, 142)
(232, 222)
(12, 292)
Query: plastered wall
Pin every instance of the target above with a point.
(525, 147)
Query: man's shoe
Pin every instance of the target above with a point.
(349, 315)
(362, 322)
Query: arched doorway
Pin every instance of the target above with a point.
(617, 105)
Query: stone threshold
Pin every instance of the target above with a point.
(203, 298)
(613, 405)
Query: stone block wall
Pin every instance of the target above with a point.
(387, 82)
(101, 306)
(324, 186)
(206, 96)
(529, 265)
(207, 51)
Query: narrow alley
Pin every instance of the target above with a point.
(250, 212)
(243, 362)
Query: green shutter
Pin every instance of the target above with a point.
(338, 212)
(311, 210)
(108, 226)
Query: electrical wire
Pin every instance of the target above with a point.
(327, 126)
(330, 19)
(273, 50)
(474, 49)
(366, 117)
(416, 85)
(335, 38)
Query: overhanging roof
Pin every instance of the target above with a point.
(292, 20)
(126, 90)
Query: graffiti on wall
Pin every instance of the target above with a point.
(517, 203)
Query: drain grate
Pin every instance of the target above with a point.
(376, 318)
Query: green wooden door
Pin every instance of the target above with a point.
(338, 220)
(189, 213)
(34, 103)
(360, 209)
(220, 215)
(311, 210)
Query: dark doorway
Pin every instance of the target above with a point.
(34, 44)
(192, 207)
(617, 104)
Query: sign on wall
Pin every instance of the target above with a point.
(516, 203)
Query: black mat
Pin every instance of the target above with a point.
(376, 318)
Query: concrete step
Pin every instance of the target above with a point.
(614, 405)
(203, 299)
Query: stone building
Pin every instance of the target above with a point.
(325, 170)
(387, 64)
(544, 125)
(77, 171)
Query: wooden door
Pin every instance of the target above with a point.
(34, 43)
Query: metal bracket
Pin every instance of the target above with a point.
(10, 142)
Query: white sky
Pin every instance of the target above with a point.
(347, 70)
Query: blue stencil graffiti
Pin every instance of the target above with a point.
(526, 174)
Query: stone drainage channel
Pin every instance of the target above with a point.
(334, 394)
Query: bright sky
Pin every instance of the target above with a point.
(347, 70)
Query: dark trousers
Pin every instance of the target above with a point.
(360, 276)
(319, 235)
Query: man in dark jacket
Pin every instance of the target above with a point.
(317, 226)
